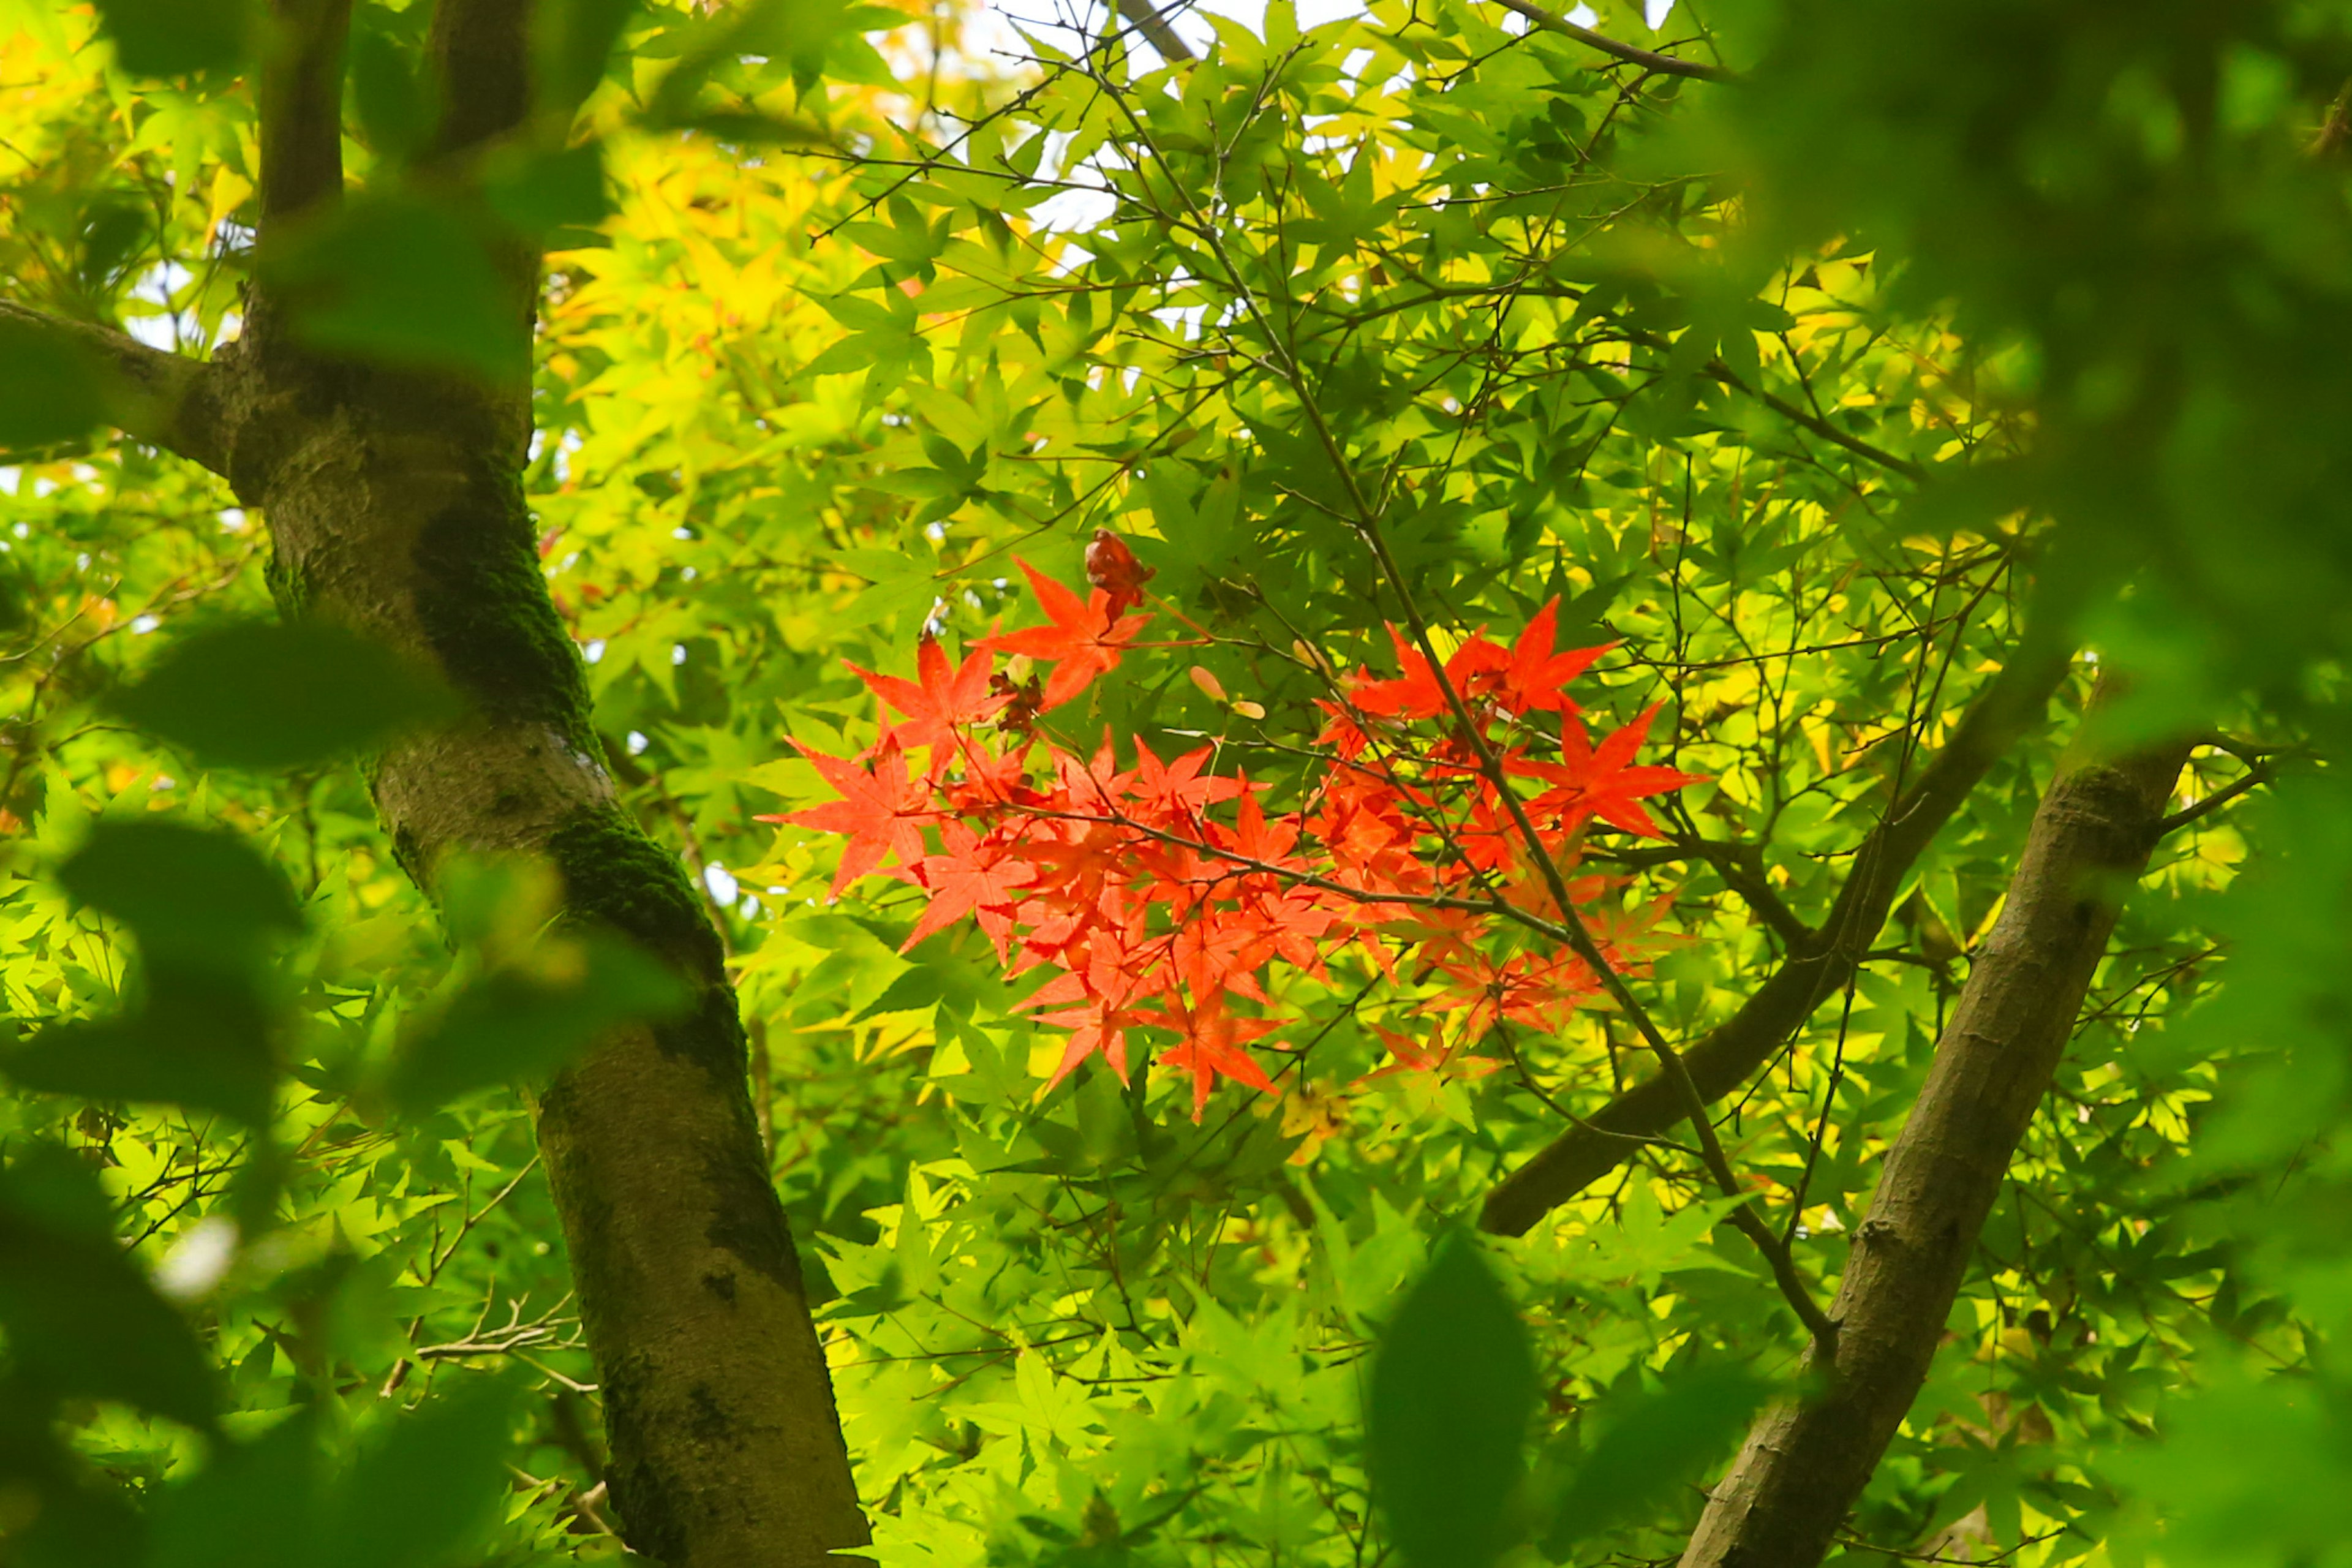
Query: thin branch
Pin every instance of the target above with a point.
(1819, 427)
(1648, 59)
(2254, 778)
(1365, 517)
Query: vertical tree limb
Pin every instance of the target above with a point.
(395, 506)
(1736, 1049)
(1805, 1463)
(301, 91)
(479, 51)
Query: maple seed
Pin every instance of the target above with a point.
(1112, 567)
(1084, 641)
(1208, 684)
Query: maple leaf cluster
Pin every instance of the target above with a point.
(1160, 897)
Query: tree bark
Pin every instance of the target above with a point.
(1735, 1050)
(394, 504)
(1805, 1463)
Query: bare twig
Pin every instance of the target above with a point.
(1631, 55)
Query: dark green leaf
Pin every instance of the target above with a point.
(81, 1320)
(522, 1021)
(254, 1505)
(1652, 1447)
(181, 889)
(575, 38)
(1453, 1388)
(406, 282)
(51, 392)
(393, 109)
(263, 695)
(175, 38)
(201, 1039)
(113, 231)
(549, 191)
(430, 1486)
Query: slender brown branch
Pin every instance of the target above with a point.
(1152, 23)
(1364, 516)
(2254, 778)
(1631, 55)
(1821, 428)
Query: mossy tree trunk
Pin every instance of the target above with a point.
(395, 506)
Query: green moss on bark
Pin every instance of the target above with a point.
(288, 590)
(484, 605)
(618, 876)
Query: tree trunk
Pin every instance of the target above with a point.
(1804, 1464)
(395, 506)
(1729, 1055)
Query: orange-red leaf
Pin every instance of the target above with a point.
(947, 699)
(882, 810)
(1084, 640)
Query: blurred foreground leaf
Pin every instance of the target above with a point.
(1453, 1385)
(82, 1322)
(263, 695)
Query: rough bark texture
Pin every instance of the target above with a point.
(1804, 1464)
(395, 506)
(1729, 1055)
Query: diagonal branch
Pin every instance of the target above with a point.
(1821, 428)
(1735, 1049)
(1152, 22)
(1648, 59)
(2254, 777)
(151, 396)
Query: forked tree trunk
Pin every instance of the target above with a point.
(1818, 964)
(394, 503)
(1805, 1463)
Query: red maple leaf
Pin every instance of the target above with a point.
(1212, 1047)
(1415, 694)
(1112, 567)
(1180, 790)
(1525, 678)
(1436, 1058)
(881, 809)
(990, 782)
(1532, 682)
(974, 876)
(1097, 1029)
(1600, 781)
(1085, 640)
(948, 699)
